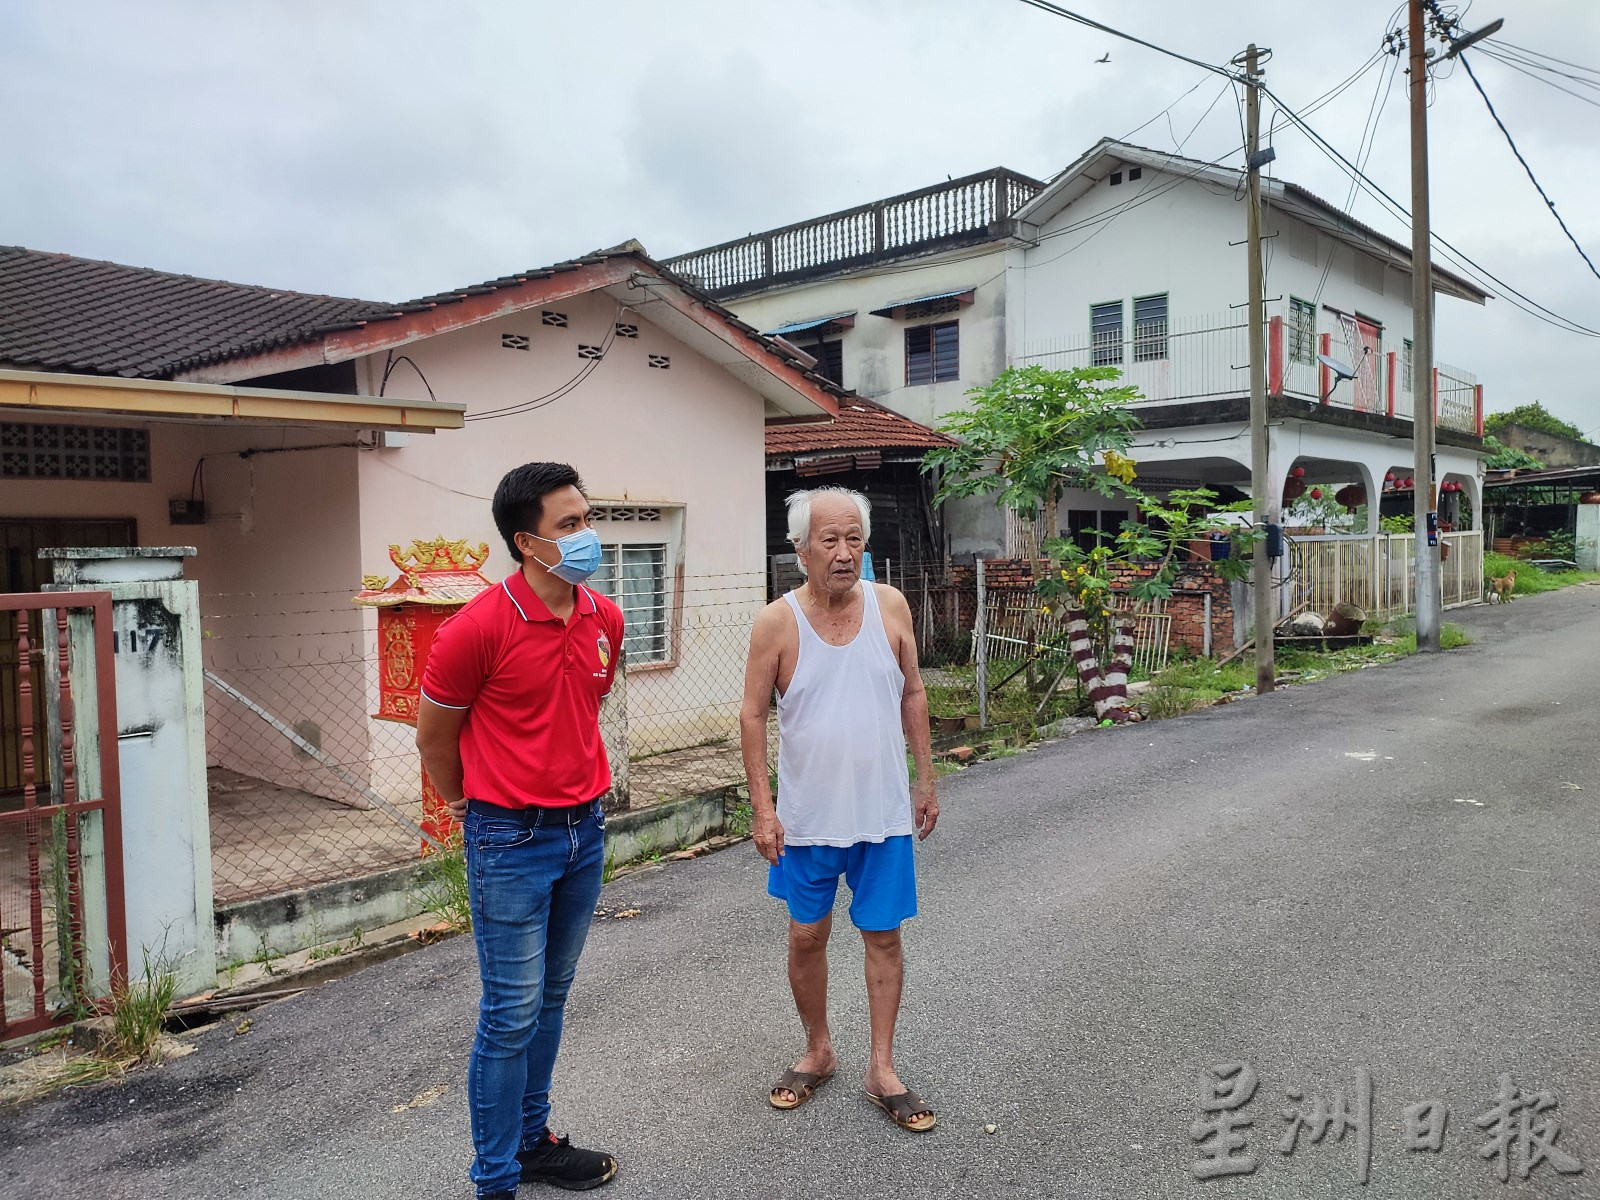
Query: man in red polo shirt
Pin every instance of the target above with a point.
(510, 734)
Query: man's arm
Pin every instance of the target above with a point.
(439, 741)
(913, 708)
(760, 677)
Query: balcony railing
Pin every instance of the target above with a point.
(952, 213)
(1208, 357)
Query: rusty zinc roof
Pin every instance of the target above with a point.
(862, 424)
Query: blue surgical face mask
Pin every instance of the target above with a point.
(580, 555)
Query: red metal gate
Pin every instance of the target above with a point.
(44, 958)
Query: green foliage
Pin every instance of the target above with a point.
(1404, 523)
(741, 817)
(442, 884)
(72, 970)
(1504, 458)
(1326, 513)
(1083, 578)
(1533, 416)
(139, 1007)
(1034, 432)
(1531, 581)
(1560, 544)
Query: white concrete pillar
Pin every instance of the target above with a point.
(1371, 480)
(1588, 537)
(160, 745)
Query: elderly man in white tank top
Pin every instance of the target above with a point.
(842, 656)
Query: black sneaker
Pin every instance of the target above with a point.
(558, 1162)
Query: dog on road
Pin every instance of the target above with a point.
(1502, 589)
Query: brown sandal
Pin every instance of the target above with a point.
(907, 1110)
(802, 1083)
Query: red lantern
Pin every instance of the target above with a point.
(1389, 478)
(1293, 489)
(1316, 493)
(1298, 472)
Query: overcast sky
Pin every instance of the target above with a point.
(391, 149)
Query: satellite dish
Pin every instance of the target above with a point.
(1337, 367)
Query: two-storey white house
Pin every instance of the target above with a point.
(1130, 258)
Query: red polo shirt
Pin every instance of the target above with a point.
(531, 687)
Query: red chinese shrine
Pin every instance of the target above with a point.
(436, 578)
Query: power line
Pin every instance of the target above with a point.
(1541, 79)
(1541, 54)
(1068, 14)
(1472, 75)
(1512, 56)
(1459, 258)
(1380, 101)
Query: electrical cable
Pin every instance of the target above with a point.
(589, 367)
(1511, 56)
(1551, 57)
(1457, 257)
(391, 362)
(1472, 75)
(1068, 14)
(1547, 82)
(1380, 101)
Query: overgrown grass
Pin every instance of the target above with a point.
(1531, 581)
(139, 1009)
(1013, 704)
(442, 885)
(1189, 685)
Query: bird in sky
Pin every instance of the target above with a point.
(1105, 58)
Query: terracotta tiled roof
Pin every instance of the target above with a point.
(61, 313)
(862, 425)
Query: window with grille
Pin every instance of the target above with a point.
(933, 353)
(1407, 367)
(635, 577)
(87, 452)
(1302, 330)
(1105, 328)
(1150, 328)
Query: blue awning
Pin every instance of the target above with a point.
(960, 296)
(844, 320)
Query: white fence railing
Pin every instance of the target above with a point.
(1377, 571)
(1207, 356)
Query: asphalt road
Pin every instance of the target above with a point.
(1392, 871)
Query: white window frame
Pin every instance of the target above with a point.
(636, 527)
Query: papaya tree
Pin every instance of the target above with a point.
(1035, 432)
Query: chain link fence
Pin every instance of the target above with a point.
(307, 786)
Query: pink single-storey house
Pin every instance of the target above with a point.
(292, 439)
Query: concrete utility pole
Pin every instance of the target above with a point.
(1425, 502)
(1266, 607)
(1425, 499)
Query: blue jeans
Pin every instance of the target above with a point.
(533, 886)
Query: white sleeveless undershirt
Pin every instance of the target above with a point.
(842, 774)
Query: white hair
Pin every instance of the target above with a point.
(800, 512)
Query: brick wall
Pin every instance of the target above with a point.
(1194, 581)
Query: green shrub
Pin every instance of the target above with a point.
(442, 885)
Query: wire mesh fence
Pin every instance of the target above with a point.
(307, 786)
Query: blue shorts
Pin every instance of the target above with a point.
(882, 878)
